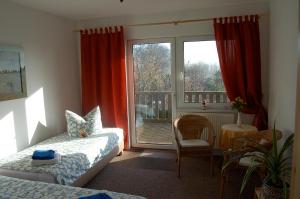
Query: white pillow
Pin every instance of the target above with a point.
(90, 123)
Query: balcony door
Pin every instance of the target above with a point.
(151, 92)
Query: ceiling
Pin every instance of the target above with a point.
(83, 9)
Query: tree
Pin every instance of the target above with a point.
(202, 77)
(152, 69)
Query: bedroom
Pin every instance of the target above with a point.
(46, 32)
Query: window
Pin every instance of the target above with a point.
(199, 76)
(151, 69)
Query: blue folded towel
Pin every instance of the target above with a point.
(96, 196)
(43, 155)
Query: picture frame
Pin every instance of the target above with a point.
(12, 73)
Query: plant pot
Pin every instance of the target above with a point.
(270, 192)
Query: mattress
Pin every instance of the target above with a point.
(78, 155)
(19, 188)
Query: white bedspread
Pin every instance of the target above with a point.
(17, 188)
(77, 155)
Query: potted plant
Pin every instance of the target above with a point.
(238, 104)
(273, 162)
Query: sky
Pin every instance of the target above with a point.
(196, 51)
(205, 51)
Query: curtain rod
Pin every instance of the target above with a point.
(173, 22)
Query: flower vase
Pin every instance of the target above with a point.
(239, 119)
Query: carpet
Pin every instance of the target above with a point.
(153, 174)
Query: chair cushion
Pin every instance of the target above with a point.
(193, 143)
(249, 161)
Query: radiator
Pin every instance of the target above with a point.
(217, 120)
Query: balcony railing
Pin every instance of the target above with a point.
(154, 105)
(208, 96)
(157, 105)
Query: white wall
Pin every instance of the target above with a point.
(284, 54)
(52, 75)
(283, 64)
(295, 191)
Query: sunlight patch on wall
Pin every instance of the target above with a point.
(35, 112)
(8, 143)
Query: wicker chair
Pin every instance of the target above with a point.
(241, 146)
(188, 130)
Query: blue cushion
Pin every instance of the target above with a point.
(89, 123)
(43, 154)
(97, 196)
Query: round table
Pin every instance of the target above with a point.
(231, 131)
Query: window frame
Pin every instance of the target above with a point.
(131, 90)
(180, 77)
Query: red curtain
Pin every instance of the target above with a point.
(103, 76)
(238, 45)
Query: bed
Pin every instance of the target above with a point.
(81, 158)
(19, 188)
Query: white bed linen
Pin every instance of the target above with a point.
(78, 156)
(13, 188)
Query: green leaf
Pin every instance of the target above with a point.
(249, 172)
(285, 190)
(274, 141)
(267, 178)
(288, 142)
(226, 165)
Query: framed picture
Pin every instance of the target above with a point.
(12, 73)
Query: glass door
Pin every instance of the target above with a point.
(152, 68)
